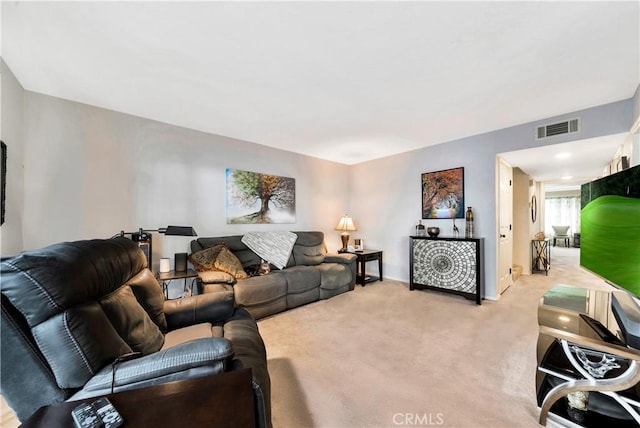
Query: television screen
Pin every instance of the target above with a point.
(610, 242)
(610, 228)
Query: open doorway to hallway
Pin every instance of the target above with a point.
(556, 170)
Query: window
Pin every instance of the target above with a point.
(562, 211)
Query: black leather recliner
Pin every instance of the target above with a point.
(71, 309)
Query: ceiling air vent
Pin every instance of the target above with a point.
(567, 127)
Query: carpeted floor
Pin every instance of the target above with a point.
(384, 356)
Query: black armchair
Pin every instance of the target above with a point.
(83, 319)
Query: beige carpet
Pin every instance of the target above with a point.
(384, 356)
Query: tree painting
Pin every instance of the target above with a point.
(443, 194)
(260, 198)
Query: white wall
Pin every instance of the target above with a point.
(91, 172)
(385, 193)
(11, 112)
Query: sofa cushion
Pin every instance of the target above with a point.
(185, 334)
(216, 276)
(220, 258)
(334, 275)
(149, 294)
(309, 248)
(260, 289)
(299, 299)
(131, 321)
(301, 278)
(216, 287)
(309, 256)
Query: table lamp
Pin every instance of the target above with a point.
(345, 224)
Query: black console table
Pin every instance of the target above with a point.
(587, 374)
(453, 265)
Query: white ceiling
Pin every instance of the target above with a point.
(344, 81)
(566, 166)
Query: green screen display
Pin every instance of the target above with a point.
(610, 228)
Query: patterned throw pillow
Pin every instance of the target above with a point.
(228, 262)
(218, 258)
(203, 260)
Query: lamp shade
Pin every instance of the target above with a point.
(345, 223)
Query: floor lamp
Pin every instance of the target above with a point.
(143, 237)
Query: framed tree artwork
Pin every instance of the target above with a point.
(443, 194)
(254, 198)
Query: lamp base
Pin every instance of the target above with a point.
(344, 236)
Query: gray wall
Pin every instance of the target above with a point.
(11, 112)
(385, 193)
(91, 172)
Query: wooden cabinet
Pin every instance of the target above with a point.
(453, 265)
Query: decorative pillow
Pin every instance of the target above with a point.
(213, 276)
(218, 258)
(203, 260)
(228, 262)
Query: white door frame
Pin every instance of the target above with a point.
(509, 232)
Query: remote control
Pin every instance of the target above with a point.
(107, 413)
(86, 416)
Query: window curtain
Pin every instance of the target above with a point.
(562, 211)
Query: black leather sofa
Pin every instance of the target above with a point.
(71, 309)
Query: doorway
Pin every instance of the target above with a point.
(550, 168)
(505, 229)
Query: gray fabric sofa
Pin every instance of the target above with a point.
(311, 274)
(72, 310)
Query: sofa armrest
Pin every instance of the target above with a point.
(344, 258)
(191, 359)
(210, 307)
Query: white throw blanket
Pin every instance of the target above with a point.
(274, 247)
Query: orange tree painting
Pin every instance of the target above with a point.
(260, 198)
(443, 194)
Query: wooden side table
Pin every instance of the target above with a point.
(165, 279)
(365, 256)
(224, 399)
